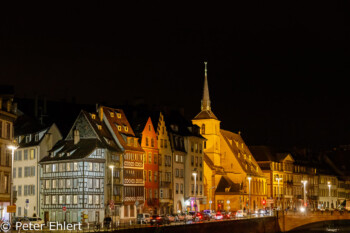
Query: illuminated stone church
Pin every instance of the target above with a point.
(229, 168)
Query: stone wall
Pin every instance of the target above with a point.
(258, 225)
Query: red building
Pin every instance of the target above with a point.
(145, 131)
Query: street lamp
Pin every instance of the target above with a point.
(210, 201)
(329, 192)
(278, 187)
(304, 182)
(12, 148)
(249, 179)
(112, 191)
(194, 173)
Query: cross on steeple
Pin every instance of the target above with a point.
(206, 99)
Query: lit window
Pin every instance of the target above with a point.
(111, 114)
(93, 116)
(126, 128)
(119, 115)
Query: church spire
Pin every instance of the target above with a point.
(206, 99)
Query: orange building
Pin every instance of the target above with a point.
(145, 131)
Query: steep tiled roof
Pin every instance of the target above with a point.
(205, 114)
(77, 151)
(235, 143)
(111, 116)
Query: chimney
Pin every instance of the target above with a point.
(76, 136)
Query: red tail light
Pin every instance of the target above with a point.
(158, 218)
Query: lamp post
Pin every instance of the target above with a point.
(194, 173)
(278, 187)
(304, 182)
(112, 169)
(12, 148)
(210, 201)
(329, 192)
(249, 179)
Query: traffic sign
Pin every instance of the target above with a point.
(64, 208)
(11, 209)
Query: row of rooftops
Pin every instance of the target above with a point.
(106, 128)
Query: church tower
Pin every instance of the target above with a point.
(209, 125)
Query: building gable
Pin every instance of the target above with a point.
(86, 131)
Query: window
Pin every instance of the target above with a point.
(155, 176)
(165, 143)
(96, 167)
(181, 159)
(200, 148)
(19, 155)
(205, 145)
(32, 154)
(54, 199)
(89, 183)
(203, 128)
(96, 199)
(119, 115)
(62, 167)
(19, 191)
(60, 199)
(181, 188)
(155, 158)
(68, 199)
(54, 167)
(75, 166)
(7, 161)
(192, 188)
(61, 183)
(160, 160)
(150, 158)
(149, 127)
(200, 176)
(146, 141)
(156, 193)
(25, 155)
(177, 188)
(111, 114)
(28, 138)
(196, 147)
(150, 176)
(14, 172)
(47, 184)
(54, 184)
(144, 175)
(196, 161)
(126, 128)
(89, 166)
(19, 172)
(97, 183)
(47, 200)
(68, 167)
(152, 142)
(176, 158)
(69, 183)
(161, 193)
(161, 143)
(93, 116)
(90, 199)
(200, 161)
(75, 199)
(192, 160)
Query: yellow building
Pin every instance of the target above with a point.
(229, 168)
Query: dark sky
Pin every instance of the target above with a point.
(277, 71)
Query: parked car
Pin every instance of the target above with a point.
(180, 217)
(241, 214)
(229, 215)
(171, 218)
(159, 220)
(143, 218)
(36, 220)
(218, 216)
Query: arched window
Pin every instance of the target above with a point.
(203, 128)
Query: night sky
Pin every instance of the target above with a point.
(277, 71)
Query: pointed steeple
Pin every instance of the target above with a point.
(206, 99)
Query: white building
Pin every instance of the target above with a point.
(33, 146)
(328, 192)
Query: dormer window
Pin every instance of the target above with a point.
(93, 116)
(111, 114)
(36, 137)
(28, 137)
(68, 154)
(99, 126)
(119, 115)
(126, 128)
